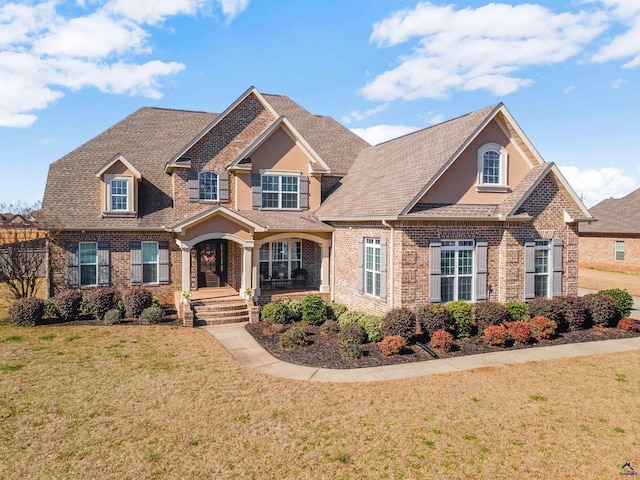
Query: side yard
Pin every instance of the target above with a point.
(172, 403)
(602, 280)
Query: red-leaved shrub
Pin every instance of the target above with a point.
(486, 314)
(496, 335)
(628, 325)
(601, 308)
(392, 345)
(542, 327)
(442, 340)
(519, 331)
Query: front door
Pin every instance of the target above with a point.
(212, 264)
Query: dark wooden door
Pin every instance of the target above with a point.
(212, 264)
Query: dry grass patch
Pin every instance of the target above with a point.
(603, 280)
(161, 402)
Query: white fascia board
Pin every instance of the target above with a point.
(119, 158)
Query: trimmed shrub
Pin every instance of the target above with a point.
(350, 351)
(113, 317)
(353, 333)
(68, 304)
(120, 305)
(495, 335)
(486, 314)
(628, 325)
(295, 310)
(275, 312)
(542, 327)
(275, 328)
(442, 340)
(624, 301)
(462, 314)
(26, 312)
(50, 309)
(330, 327)
(135, 301)
(100, 300)
(313, 308)
(84, 306)
(435, 316)
(392, 345)
(601, 309)
(152, 315)
(372, 326)
(334, 310)
(544, 307)
(399, 321)
(155, 302)
(350, 317)
(574, 313)
(519, 331)
(517, 310)
(296, 336)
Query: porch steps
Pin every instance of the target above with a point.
(219, 311)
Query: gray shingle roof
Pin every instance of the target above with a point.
(273, 220)
(517, 196)
(386, 178)
(455, 210)
(147, 138)
(621, 215)
(336, 145)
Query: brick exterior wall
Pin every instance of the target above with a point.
(598, 251)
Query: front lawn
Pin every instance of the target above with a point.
(166, 402)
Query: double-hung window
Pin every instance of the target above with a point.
(456, 266)
(619, 250)
(541, 264)
(372, 266)
(119, 195)
(492, 168)
(88, 264)
(149, 262)
(207, 186)
(280, 191)
(279, 259)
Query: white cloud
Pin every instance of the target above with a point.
(616, 84)
(381, 133)
(596, 185)
(569, 89)
(357, 115)
(463, 50)
(44, 53)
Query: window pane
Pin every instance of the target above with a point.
(88, 275)
(270, 183)
(264, 270)
(88, 253)
(369, 283)
(269, 200)
(491, 167)
(264, 252)
(541, 285)
(295, 250)
(118, 195)
(368, 258)
(149, 252)
(446, 289)
(150, 273)
(280, 250)
(447, 262)
(465, 262)
(289, 184)
(208, 186)
(289, 200)
(619, 250)
(541, 261)
(464, 288)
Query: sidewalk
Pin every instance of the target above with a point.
(239, 343)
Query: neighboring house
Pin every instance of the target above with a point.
(267, 196)
(613, 242)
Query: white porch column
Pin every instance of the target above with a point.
(325, 286)
(247, 256)
(186, 267)
(255, 272)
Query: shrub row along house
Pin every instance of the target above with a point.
(266, 197)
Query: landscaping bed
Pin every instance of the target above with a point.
(323, 349)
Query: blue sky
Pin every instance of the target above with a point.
(569, 72)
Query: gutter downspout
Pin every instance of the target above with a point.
(391, 257)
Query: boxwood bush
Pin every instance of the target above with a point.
(68, 304)
(295, 310)
(26, 312)
(135, 300)
(517, 310)
(275, 313)
(462, 314)
(313, 308)
(434, 316)
(624, 301)
(399, 321)
(113, 317)
(50, 309)
(372, 326)
(334, 310)
(152, 315)
(294, 337)
(349, 317)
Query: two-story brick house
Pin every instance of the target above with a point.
(267, 196)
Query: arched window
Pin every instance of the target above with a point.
(208, 186)
(492, 167)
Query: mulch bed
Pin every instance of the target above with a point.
(171, 320)
(323, 351)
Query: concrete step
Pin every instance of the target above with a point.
(220, 313)
(227, 307)
(220, 321)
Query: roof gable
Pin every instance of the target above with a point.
(119, 159)
(616, 215)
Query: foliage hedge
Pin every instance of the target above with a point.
(26, 312)
(68, 304)
(353, 333)
(392, 345)
(100, 300)
(372, 326)
(435, 316)
(624, 301)
(135, 300)
(350, 317)
(628, 325)
(517, 310)
(574, 313)
(275, 313)
(50, 309)
(313, 308)
(399, 321)
(542, 327)
(442, 340)
(519, 331)
(113, 317)
(544, 307)
(296, 336)
(462, 313)
(601, 309)
(495, 335)
(486, 314)
(151, 315)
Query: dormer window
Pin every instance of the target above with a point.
(119, 196)
(492, 168)
(207, 186)
(118, 186)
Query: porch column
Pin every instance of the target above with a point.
(186, 267)
(247, 256)
(255, 270)
(325, 286)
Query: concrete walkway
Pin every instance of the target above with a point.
(235, 338)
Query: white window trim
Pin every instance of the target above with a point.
(457, 248)
(545, 246)
(217, 199)
(108, 179)
(502, 186)
(374, 244)
(80, 264)
(279, 191)
(288, 260)
(617, 250)
(157, 263)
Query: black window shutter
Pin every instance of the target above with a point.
(135, 251)
(304, 192)
(529, 268)
(223, 186)
(73, 267)
(194, 186)
(435, 294)
(481, 270)
(103, 264)
(256, 190)
(163, 262)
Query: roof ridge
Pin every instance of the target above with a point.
(176, 110)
